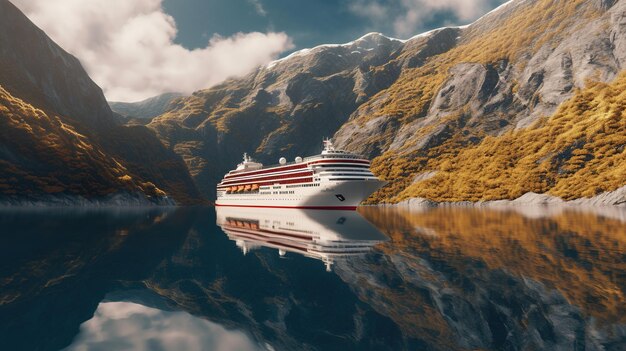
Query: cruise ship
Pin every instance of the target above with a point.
(334, 179)
(328, 236)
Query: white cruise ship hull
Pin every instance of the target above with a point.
(335, 195)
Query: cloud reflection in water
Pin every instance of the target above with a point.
(131, 326)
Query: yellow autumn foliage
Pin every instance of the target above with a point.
(44, 155)
(578, 152)
(513, 38)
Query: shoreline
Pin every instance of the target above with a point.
(119, 200)
(614, 199)
(531, 205)
(611, 199)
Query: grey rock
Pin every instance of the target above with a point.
(483, 96)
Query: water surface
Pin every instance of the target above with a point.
(380, 279)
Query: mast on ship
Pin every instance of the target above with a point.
(328, 146)
(248, 163)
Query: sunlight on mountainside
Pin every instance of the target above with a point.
(42, 155)
(578, 152)
(509, 38)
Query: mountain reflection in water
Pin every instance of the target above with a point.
(448, 279)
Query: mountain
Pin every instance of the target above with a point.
(526, 99)
(519, 105)
(60, 141)
(284, 109)
(145, 109)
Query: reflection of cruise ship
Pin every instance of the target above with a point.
(323, 235)
(332, 180)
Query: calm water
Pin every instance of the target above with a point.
(191, 279)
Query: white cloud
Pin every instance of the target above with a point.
(408, 16)
(128, 46)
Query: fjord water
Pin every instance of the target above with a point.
(439, 279)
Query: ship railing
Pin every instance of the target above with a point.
(312, 158)
(335, 155)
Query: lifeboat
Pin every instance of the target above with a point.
(240, 188)
(247, 188)
(255, 187)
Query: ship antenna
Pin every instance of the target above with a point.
(245, 157)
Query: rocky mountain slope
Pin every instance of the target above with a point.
(145, 109)
(284, 109)
(521, 78)
(60, 140)
(429, 107)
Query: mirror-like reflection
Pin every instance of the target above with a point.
(447, 279)
(324, 235)
(132, 326)
(528, 280)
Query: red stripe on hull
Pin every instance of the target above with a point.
(234, 176)
(266, 178)
(257, 235)
(351, 208)
(288, 181)
(266, 170)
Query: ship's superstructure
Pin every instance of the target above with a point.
(334, 179)
(329, 236)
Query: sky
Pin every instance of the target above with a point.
(141, 48)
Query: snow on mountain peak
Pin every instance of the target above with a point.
(368, 42)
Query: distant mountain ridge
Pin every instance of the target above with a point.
(145, 109)
(426, 107)
(61, 143)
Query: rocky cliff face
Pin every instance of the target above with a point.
(415, 105)
(40, 72)
(59, 138)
